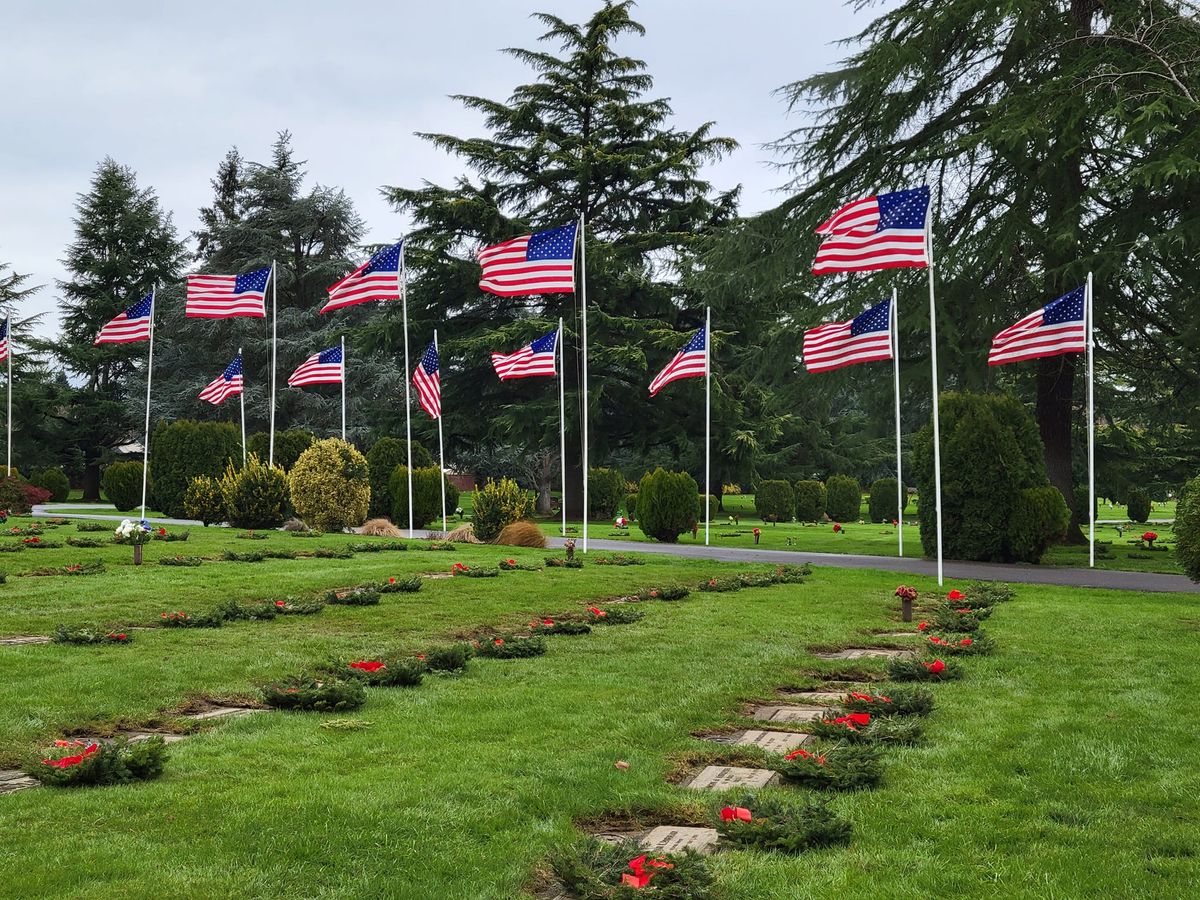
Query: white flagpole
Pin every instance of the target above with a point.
(933, 363)
(149, 376)
(441, 449)
(274, 276)
(407, 377)
(707, 417)
(8, 418)
(562, 425)
(584, 393)
(343, 387)
(1091, 422)
(900, 494)
(242, 398)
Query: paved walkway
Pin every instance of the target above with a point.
(52, 510)
(1026, 574)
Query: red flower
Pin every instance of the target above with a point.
(738, 813)
(368, 665)
(965, 642)
(756, 531)
(906, 593)
(1150, 536)
(956, 595)
(922, 626)
(937, 667)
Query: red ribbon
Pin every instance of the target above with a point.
(738, 813)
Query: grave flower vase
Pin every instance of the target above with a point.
(906, 608)
(137, 554)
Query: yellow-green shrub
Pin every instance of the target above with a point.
(330, 486)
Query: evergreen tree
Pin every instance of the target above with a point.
(124, 246)
(1058, 138)
(582, 140)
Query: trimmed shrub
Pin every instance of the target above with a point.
(256, 496)
(1138, 506)
(522, 534)
(18, 496)
(1039, 518)
(182, 450)
(122, 485)
(427, 495)
(384, 458)
(713, 505)
(666, 504)
(991, 452)
(882, 503)
(631, 505)
(497, 504)
(330, 487)
(775, 501)
(810, 501)
(843, 498)
(56, 482)
(1187, 529)
(289, 445)
(204, 500)
(606, 490)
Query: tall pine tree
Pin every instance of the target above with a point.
(582, 140)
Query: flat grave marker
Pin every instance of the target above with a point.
(773, 741)
(677, 838)
(720, 778)
(864, 653)
(788, 713)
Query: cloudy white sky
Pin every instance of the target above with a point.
(167, 88)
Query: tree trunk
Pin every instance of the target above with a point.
(1055, 383)
(91, 481)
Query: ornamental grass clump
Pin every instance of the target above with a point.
(359, 596)
(316, 695)
(842, 767)
(780, 823)
(903, 669)
(893, 702)
(81, 634)
(597, 870)
(621, 614)
(448, 658)
(511, 646)
(78, 763)
(557, 626)
(863, 728)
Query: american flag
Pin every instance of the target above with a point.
(1058, 327)
(326, 367)
(376, 279)
(883, 232)
(690, 362)
(4, 340)
(131, 325)
(227, 384)
(866, 337)
(226, 296)
(538, 263)
(429, 383)
(537, 358)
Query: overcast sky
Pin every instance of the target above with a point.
(167, 88)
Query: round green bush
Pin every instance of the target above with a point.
(843, 500)
(810, 501)
(631, 505)
(713, 507)
(1138, 506)
(427, 496)
(56, 482)
(496, 504)
(882, 503)
(330, 486)
(122, 485)
(1039, 518)
(256, 496)
(606, 490)
(204, 500)
(775, 501)
(1187, 529)
(666, 504)
(183, 449)
(289, 445)
(383, 458)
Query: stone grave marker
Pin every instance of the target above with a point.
(864, 652)
(781, 742)
(677, 838)
(786, 713)
(720, 778)
(13, 780)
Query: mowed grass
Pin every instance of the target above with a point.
(1061, 766)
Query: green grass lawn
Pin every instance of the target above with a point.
(1061, 766)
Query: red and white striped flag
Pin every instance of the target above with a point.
(226, 296)
(376, 279)
(429, 383)
(538, 263)
(866, 337)
(883, 232)
(690, 362)
(4, 349)
(227, 384)
(1058, 327)
(531, 360)
(131, 325)
(326, 367)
